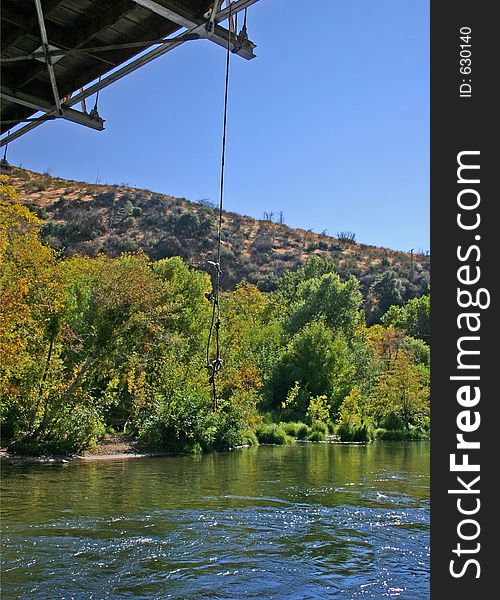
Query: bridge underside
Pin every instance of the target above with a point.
(57, 53)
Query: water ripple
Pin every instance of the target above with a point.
(221, 528)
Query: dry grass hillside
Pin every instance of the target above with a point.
(89, 219)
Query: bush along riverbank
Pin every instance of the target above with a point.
(97, 344)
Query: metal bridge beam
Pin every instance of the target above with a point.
(236, 7)
(218, 34)
(196, 28)
(75, 40)
(48, 58)
(167, 46)
(67, 113)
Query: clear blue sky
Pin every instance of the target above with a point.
(329, 124)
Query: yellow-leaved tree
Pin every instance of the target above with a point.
(403, 389)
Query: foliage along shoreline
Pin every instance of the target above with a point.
(91, 345)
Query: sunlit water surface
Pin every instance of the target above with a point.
(296, 522)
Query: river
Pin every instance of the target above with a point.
(298, 522)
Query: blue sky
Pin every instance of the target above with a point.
(329, 124)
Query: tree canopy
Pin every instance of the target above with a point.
(90, 344)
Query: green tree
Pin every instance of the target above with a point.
(31, 303)
(385, 291)
(338, 303)
(314, 268)
(350, 413)
(185, 308)
(319, 361)
(88, 342)
(251, 337)
(402, 389)
(353, 423)
(413, 318)
(318, 409)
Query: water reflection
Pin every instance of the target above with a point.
(295, 522)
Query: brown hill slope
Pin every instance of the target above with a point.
(88, 219)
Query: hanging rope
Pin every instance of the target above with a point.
(215, 365)
(4, 159)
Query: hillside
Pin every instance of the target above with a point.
(88, 219)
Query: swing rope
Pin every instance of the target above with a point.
(4, 159)
(215, 365)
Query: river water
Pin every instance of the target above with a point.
(297, 522)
